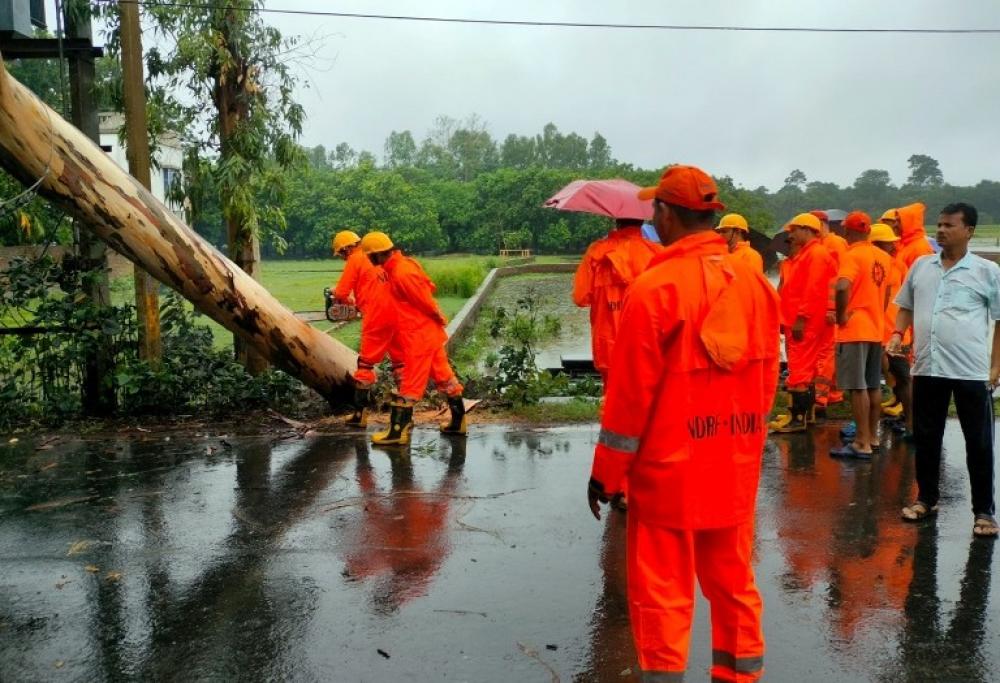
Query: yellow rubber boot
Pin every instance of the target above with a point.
(798, 414)
(400, 426)
(894, 410)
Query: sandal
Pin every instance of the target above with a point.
(849, 451)
(986, 526)
(918, 511)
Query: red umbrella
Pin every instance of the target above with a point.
(615, 198)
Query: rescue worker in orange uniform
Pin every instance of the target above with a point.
(911, 226)
(421, 334)
(827, 392)
(369, 288)
(608, 267)
(692, 381)
(896, 366)
(804, 297)
(861, 302)
(734, 229)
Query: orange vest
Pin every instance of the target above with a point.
(867, 268)
(421, 323)
(805, 291)
(607, 269)
(692, 382)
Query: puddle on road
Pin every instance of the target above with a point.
(327, 559)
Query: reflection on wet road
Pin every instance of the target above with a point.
(326, 559)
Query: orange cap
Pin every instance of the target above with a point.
(686, 186)
(857, 221)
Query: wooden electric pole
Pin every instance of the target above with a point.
(98, 389)
(147, 299)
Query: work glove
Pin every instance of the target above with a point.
(596, 496)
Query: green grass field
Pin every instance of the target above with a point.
(299, 286)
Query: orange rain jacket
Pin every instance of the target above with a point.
(692, 381)
(421, 323)
(896, 276)
(914, 242)
(607, 269)
(805, 287)
(373, 296)
(744, 252)
(421, 331)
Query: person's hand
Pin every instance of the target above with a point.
(842, 319)
(831, 317)
(895, 347)
(799, 329)
(596, 496)
(994, 376)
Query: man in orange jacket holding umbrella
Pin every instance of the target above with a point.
(608, 267)
(805, 293)
(369, 286)
(692, 381)
(421, 334)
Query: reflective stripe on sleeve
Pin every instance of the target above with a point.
(619, 442)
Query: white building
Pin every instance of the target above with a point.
(168, 157)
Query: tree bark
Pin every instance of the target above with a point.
(147, 297)
(36, 142)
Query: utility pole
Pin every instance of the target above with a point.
(98, 390)
(147, 298)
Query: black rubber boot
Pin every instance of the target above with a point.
(799, 413)
(811, 415)
(457, 424)
(400, 426)
(359, 418)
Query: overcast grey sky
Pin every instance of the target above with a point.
(750, 105)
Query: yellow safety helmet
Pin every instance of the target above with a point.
(374, 242)
(804, 220)
(882, 233)
(889, 215)
(344, 238)
(733, 220)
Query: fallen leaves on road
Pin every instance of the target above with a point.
(113, 576)
(78, 547)
(93, 569)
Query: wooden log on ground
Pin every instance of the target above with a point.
(35, 142)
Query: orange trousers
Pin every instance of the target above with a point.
(375, 344)
(804, 357)
(662, 566)
(826, 382)
(418, 368)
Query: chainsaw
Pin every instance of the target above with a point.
(337, 312)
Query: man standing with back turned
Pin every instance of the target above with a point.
(950, 298)
(692, 380)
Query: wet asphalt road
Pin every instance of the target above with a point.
(324, 559)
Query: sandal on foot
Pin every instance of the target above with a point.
(986, 526)
(849, 451)
(918, 511)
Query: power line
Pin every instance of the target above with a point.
(572, 24)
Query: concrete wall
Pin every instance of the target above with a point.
(466, 318)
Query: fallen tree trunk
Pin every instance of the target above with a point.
(35, 142)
